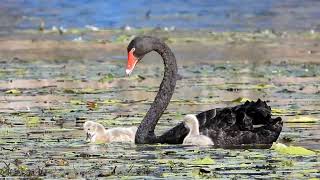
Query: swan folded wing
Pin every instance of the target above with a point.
(226, 128)
(234, 126)
(258, 112)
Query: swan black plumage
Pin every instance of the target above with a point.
(230, 126)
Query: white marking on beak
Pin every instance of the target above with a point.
(128, 72)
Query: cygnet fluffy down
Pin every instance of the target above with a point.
(194, 138)
(98, 134)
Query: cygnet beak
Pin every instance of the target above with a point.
(89, 136)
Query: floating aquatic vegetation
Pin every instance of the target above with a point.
(82, 91)
(32, 121)
(112, 101)
(263, 86)
(56, 162)
(203, 161)
(13, 91)
(277, 111)
(241, 100)
(285, 112)
(288, 163)
(291, 150)
(302, 119)
(76, 102)
(108, 78)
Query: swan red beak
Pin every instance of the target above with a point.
(132, 61)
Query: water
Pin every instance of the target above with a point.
(41, 126)
(48, 86)
(225, 15)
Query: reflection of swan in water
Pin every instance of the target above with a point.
(194, 138)
(97, 133)
(230, 126)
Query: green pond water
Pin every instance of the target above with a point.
(43, 105)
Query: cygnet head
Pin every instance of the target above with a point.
(190, 120)
(92, 129)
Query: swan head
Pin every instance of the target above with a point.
(190, 121)
(137, 48)
(92, 129)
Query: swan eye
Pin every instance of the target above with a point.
(133, 49)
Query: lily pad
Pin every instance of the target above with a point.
(241, 100)
(291, 150)
(276, 111)
(263, 86)
(107, 78)
(81, 91)
(76, 102)
(206, 160)
(32, 121)
(302, 119)
(13, 91)
(111, 101)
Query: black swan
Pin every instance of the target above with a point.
(230, 126)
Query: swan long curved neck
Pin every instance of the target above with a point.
(145, 133)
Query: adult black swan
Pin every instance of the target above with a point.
(230, 126)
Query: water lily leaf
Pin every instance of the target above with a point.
(276, 111)
(13, 91)
(56, 162)
(291, 150)
(190, 102)
(206, 160)
(282, 112)
(287, 163)
(32, 121)
(23, 168)
(111, 101)
(76, 102)
(302, 119)
(107, 78)
(241, 100)
(87, 91)
(263, 86)
(81, 91)
(171, 162)
(70, 91)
